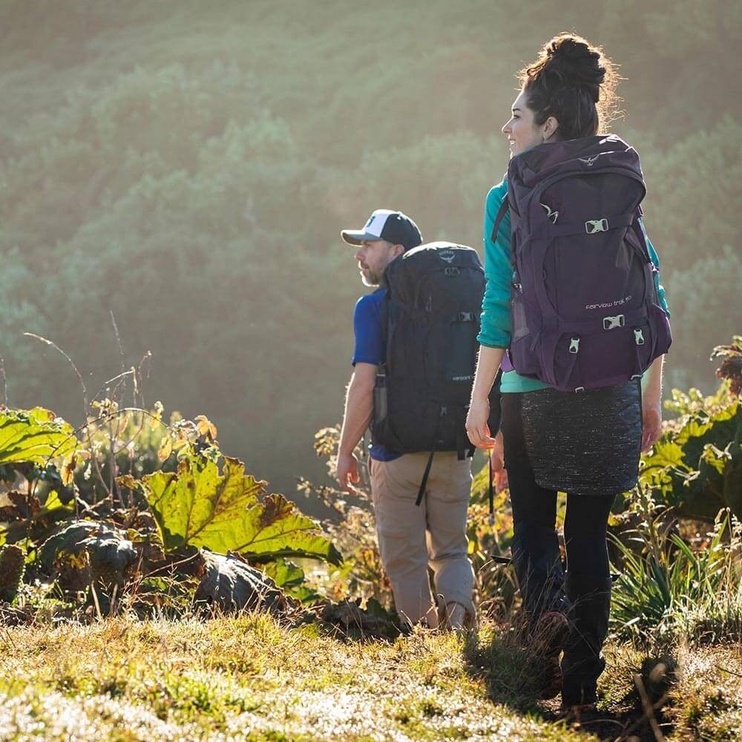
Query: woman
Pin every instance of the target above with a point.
(586, 444)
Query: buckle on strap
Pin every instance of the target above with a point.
(574, 345)
(592, 226)
(611, 323)
(639, 337)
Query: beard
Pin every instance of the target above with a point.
(369, 278)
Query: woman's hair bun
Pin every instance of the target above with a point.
(574, 82)
(575, 62)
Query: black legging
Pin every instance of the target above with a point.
(535, 544)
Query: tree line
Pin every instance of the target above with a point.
(173, 179)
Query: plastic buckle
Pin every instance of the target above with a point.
(639, 337)
(611, 323)
(592, 226)
(574, 345)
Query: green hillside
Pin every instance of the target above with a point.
(174, 176)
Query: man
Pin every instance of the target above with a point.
(412, 538)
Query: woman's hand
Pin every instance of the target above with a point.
(652, 404)
(651, 421)
(497, 462)
(476, 424)
(477, 428)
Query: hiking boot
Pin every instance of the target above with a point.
(550, 678)
(453, 617)
(578, 691)
(579, 714)
(547, 641)
(550, 634)
(583, 661)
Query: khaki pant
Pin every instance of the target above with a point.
(432, 535)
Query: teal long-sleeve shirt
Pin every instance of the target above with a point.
(495, 324)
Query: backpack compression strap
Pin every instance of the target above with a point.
(423, 483)
(463, 449)
(504, 206)
(491, 490)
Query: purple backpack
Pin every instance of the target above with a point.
(585, 310)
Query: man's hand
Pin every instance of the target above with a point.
(346, 472)
(359, 407)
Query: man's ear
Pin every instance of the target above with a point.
(398, 250)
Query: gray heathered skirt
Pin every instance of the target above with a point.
(584, 443)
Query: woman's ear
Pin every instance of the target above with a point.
(550, 127)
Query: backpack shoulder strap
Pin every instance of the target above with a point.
(504, 206)
(384, 316)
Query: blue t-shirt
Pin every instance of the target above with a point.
(369, 328)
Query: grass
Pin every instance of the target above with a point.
(245, 678)
(249, 678)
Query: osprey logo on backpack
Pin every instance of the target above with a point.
(567, 274)
(553, 215)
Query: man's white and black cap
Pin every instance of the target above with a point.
(383, 224)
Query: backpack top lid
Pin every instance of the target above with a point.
(534, 165)
(436, 246)
(434, 267)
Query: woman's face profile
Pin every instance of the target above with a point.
(521, 131)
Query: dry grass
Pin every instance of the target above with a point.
(244, 678)
(249, 678)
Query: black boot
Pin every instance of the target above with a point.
(539, 572)
(540, 575)
(583, 662)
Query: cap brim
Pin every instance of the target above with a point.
(355, 236)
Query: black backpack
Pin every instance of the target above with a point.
(433, 305)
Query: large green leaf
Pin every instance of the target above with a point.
(697, 467)
(34, 436)
(200, 506)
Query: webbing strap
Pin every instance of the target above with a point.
(426, 473)
(491, 489)
(504, 206)
(591, 226)
(464, 448)
(421, 491)
(595, 325)
(573, 361)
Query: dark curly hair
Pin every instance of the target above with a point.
(574, 82)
